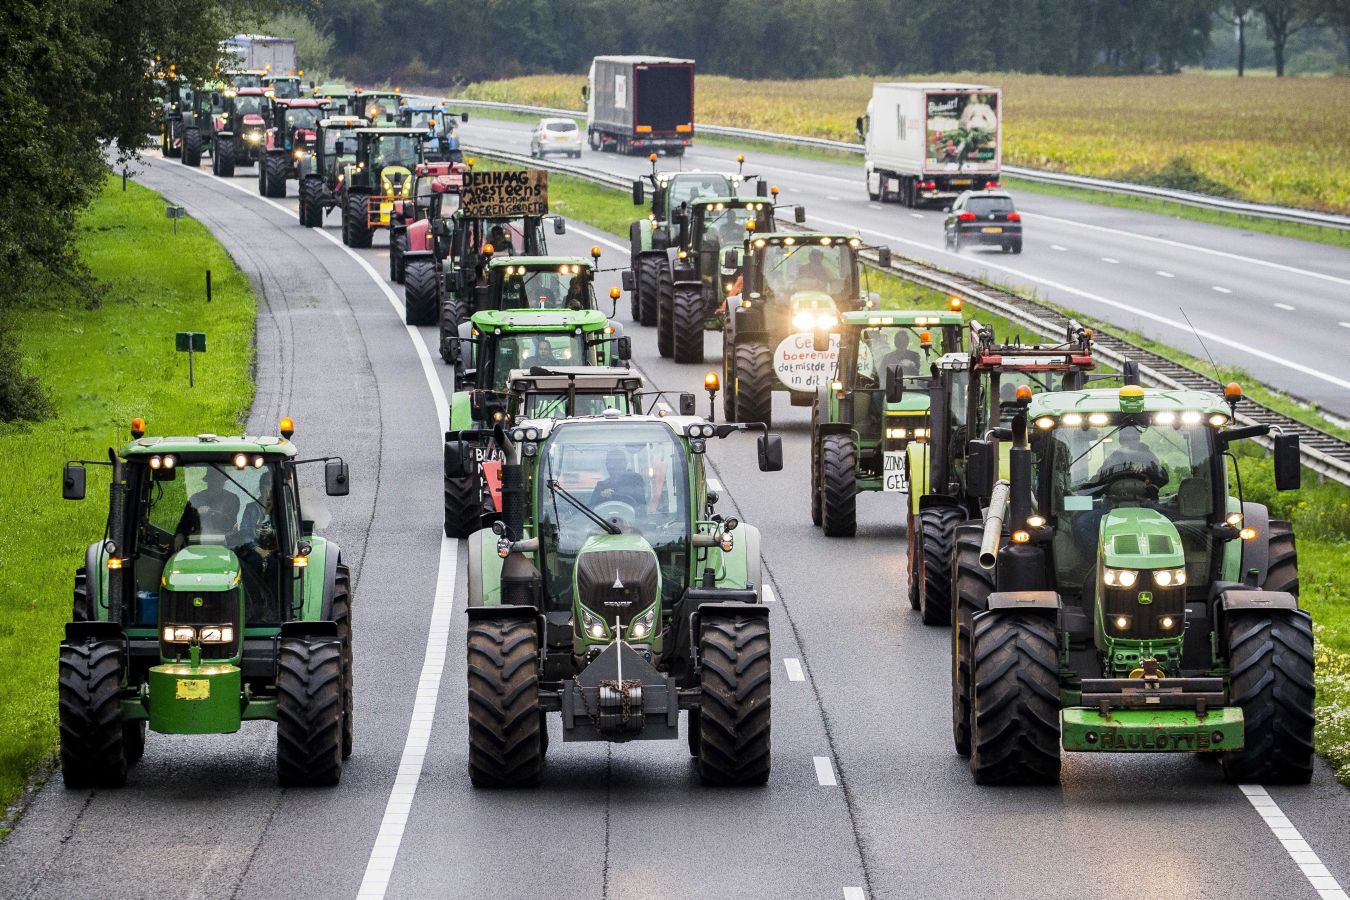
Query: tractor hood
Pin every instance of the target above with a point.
(616, 576)
(201, 568)
(1138, 538)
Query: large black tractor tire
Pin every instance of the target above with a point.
(311, 202)
(687, 324)
(815, 465)
(342, 615)
(1270, 660)
(506, 747)
(1015, 717)
(736, 687)
(355, 225)
(133, 740)
(972, 584)
(1282, 572)
(838, 485)
(309, 711)
(453, 312)
(93, 733)
(463, 505)
(192, 148)
(651, 274)
(222, 159)
(754, 384)
(937, 528)
(665, 324)
(419, 293)
(83, 607)
(397, 244)
(272, 175)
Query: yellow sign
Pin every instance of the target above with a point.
(193, 689)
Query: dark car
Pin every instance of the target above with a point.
(984, 217)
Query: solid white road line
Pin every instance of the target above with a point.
(1131, 308)
(1284, 306)
(825, 772)
(854, 893)
(384, 853)
(769, 595)
(794, 669)
(1303, 855)
(1344, 324)
(714, 484)
(1221, 290)
(1058, 247)
(1107, 259)
(1164, 274)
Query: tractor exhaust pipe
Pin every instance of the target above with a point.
(993, 524)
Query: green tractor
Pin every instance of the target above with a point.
(209, 602)
(177, 98)
(650, 238)
(320, 171)
(341, 99)
(971, 393)
(612, 593)
(705, 265)
(379, 108)
(197, 109)
(499, 344)
(286, 87)
(380, 176)
(1116, 598)
(792, 286)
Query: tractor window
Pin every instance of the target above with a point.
(631, 474)
(394, 150)
(687, 188)
(726, 227)
(302, 117)
(553, 405)
(428, 119)
(524, 351)
(796, 268)
(546, 289)
(331, 136)
(881, 348)
(247, 106)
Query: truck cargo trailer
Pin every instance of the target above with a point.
(639, 104)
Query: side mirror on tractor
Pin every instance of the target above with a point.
(687, 404)
(340, 148)
(336, 480)
(639, 195)
(624, 348)
(884, 257)
(1288, 465)
(559, 226)
(895, 384)
(770, 453)
(799, 215)
(456, 459)
(464, 117)
(980, 468)
(72, 482)
(626, 279)
(729, 258)
(762, 188)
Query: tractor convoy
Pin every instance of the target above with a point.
(1084, 539)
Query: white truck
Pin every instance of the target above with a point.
(929, 141)
(261, 53)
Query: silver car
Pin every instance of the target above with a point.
(555, 136)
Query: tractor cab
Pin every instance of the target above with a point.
(565, 392)
(341, 99)
(540, 282)
(435, 195)
(502, 340)
(284, 87)
(379, 108)
(245, 79)
(293, 124)
(331, 132)
(440, 125)
(380, 176)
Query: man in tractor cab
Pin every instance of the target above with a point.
(623, 484)
(213, 510)
(543, 355)
(903, 356)
(1133, 472)
(501, 241)
(816, 275)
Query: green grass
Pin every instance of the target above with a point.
(104, 362)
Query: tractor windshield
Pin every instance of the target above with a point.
(724, 227)
(394, 150)
(880, 349)
(524, 351)
(694, 186)
(430, 119)
(1090, 465)
(305, 117)
(790, 269)
(553, 404)
(286, 88)
(248, 105)
(632, 474)
(551, 288)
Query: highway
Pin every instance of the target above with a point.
(867, 798)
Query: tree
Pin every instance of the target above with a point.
(1239, 13)
(1283, 19)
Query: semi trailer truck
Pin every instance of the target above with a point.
(640, 104)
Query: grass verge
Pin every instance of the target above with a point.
(105, 361)
(1320, 512)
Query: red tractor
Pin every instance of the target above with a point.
(292, 129)
(237, 138)
(410, 220)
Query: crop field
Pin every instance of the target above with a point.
(1265, 139)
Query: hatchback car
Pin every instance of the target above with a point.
(555, 136)
(986, 218)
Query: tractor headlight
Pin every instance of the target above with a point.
(299, 154)
(1123, 577)
(217, 634)
(809, 321)
(178, 634)
(642, 626)
(592, 626)
(1169, 577)
(803, 321)
(897, 434)
(253, 137)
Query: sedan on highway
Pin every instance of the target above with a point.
(555, 136)
(987, 218)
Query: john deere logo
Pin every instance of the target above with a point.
(1145, 598)
(196, 601)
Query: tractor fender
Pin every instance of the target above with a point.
(301, 628)
(485, 570)
(682, 271)
(461, 413)
(1247, 598)
(740, 566)
(419, 237)
(1256, 552)
(1019, 601)
(936, 501)
(332, 557)
(96, 577)
(79, 632)
(417, 255)
(639, 237)
(825, 428)
(747, 324)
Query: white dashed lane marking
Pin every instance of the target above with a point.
(916, 215)
(1056, 247)
(1284, 306)
(1322, 881)
(825, 772)
(1222, 290)
(1344, 324)
(714, 484)
(1107, 259)
(1164, 274)
(874, 206)
(794, 669)
(854, 893)
(769, 595)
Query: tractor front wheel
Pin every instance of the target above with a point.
(272, 175)
(506, 748)
(397, 244)
(355, 224)
(651, 275)
(687, 323)
(222, 158)
(665, 323)
(93, 737)
(754, 384)
(419, 293)
(1015, 719)
(937, 527)
(734, 739)
(192, 148)
(1270, 660)
(453, 312)
(311, 202)
(309, 711)
(973, 584)
(838, 485)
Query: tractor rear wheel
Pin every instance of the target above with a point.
(89, 689)
(309, 711)
(311, 202)
(453, 312)
(753, 384)
(355, 224)
(342, 615)
(192, 148)
(1282, 572)
(419, 293)
(971, 587)
(1270, 660)
(687, 320)
(665, 323)
(937, 527)
(1015, 718)
(222, 158)
(735, 682)
(397, 244)
(506, 748)
(838, 485)
(272, 175)
(463, 503)
(651, 273)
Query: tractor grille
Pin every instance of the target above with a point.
(214, 608)
(635, 571)
(1145, 619)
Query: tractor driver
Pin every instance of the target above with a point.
(543, 355)
(501, 241)
(623, 484)
(815, 270)
(1132, 472)
(214, 510)
(903, 355)
(256, 549)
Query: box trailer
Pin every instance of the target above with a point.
(637, 104)
(261, 53)
(928, 141)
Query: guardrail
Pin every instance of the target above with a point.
(1323, 453)
(1188, 198)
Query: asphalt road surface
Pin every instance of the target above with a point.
(866, 799)
(1277, 307)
